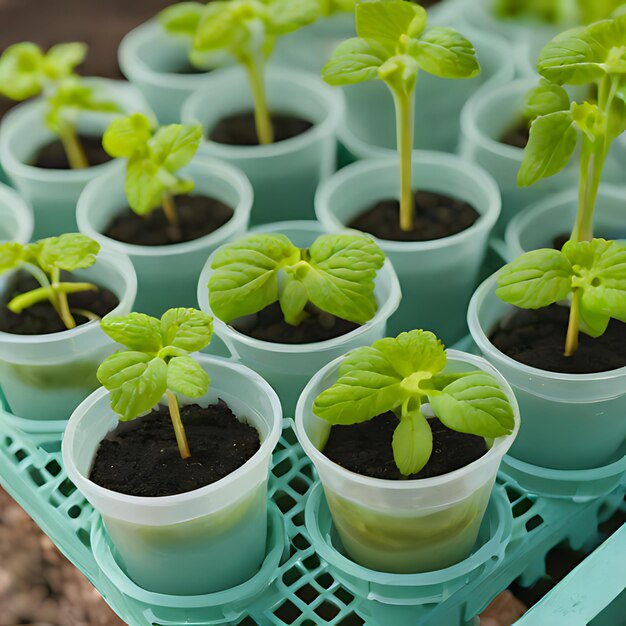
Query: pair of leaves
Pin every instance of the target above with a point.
(153, 158)
(392, 45)
(157, 360)
(402, 374)
(336, 275)
(596, 268)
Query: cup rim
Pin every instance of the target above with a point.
(21, 211)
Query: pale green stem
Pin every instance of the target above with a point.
(73, 148)
(262, 119)
(179, 429)
(573, 328)
(405, 104)
(64, 307)
(169, 208)
(26, 300)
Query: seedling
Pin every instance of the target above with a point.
(336, 274)
(44, 261)
(26, 71)
(156, 364)
(393, 46)
(332, 7)
(591, 56)
(246, 30)
(403, 374)
(153, 161)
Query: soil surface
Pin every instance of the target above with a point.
(436, 216)
(270, 325)
(198, 216)
(240, 129)
(42, 319)
(366, 449)
(518, 135)
(141, 458)
(53, 157)
(537, 338)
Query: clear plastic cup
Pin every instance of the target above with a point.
(288, 367)
(285, 174)
(569, 421)
(167, 275)
(369, 128)
(53, 193)
(405, 526)
(16, 217)
(485, 118)
(193, 543)
(45, 377)
(437, 277)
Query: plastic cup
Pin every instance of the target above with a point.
(53, 193)
(286, 174)
(45, 377)
(437, 277)
(288, 367)
(570, 421)
(16, 217)
(203, 541)
(167, 275)
(369, 128)
(408, 526)
(485, 118)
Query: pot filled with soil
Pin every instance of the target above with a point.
(16, 217)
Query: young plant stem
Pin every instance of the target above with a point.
(40, 276)
(573, 328)
(262, 119)
(179, 429)
(64, 307)
(73, 148)
(404, 120)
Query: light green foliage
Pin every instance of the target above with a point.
(401, 375)
(331, 7)
(550, 11)
(336, 274)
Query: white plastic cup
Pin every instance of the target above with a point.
(569, 421)
(16, 217)
(200, 542)
(45, 377)
(53, 193)
(167, 275)
(285, 174)
(437, 277)
(288, 367)
(405, 526)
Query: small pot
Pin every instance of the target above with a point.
(285, 174)
(16, 217)
(405, 526)
(437, 277)
(571, 421)
(45, 377)
(288, 367)
(167, 275)
(53, 193)
(200, 542)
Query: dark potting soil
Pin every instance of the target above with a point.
(141, 458)
(366, 449)
(53, 157)
(270, 325)
(518, 135)
(426, 3)
(198, 216)
(537, 338)
(436, 216)
(240, 129)
(42, 319)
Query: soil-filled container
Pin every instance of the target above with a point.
(306, 114)
(202, 541)
(168, 274)
(16, 217)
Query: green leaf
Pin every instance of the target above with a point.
(186, 376)
(136, 382)
(412, 443)
(136, 331)
(144, 190)
(245, 274)
(386, 21)
(182, 18)
(536, 279)
(286, 16)
(12, 255)
(22, 71)
(552, 142)
(293, 299)
(69, 252)
(127, 136)
(331, 7)
(355, 61)
(174, 146)
(545, 99)
(474, 405)
(62, 59)
(445, 53)
(188, 329)
(221, 27)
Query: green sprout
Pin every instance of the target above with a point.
(154, 158)
(336, 274)
(392, 46)
(403, 374)
(247, 31)
(156, 364)
(44, 261)
(589, 56)
(26, 71)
